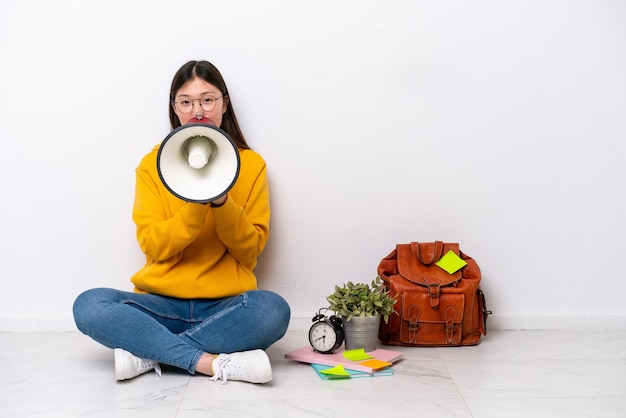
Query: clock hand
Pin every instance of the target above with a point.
(323, 337)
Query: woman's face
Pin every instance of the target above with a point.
(197, 91)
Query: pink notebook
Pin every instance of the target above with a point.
(306, 354)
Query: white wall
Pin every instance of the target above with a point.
(497, 124)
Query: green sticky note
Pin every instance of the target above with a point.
(338, 372)
(356, 355)
(451, 262)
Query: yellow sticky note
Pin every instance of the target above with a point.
(356, 354)
(375, 364)
(451, 262)
(338, 371)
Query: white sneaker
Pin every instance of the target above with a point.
(249, 366)
(128, 366)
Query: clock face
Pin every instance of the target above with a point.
(323, 337)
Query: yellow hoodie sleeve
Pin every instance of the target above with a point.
(245, 229)
(162, 233)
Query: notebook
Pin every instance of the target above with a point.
(319, 368)
(306, 354)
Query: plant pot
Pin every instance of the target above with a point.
(361, 332)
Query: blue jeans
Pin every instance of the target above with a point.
(178, 331)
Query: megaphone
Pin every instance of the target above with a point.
(198, 162)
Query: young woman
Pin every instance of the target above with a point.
(195, 305)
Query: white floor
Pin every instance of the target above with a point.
(510, 374)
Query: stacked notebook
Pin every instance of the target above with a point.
(347, 363)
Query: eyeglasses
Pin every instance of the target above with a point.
(207, 103)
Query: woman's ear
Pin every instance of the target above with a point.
(225, 103)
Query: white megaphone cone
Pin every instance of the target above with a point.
(198, 162)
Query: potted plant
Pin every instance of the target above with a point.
(361, 306)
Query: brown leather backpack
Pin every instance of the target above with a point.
(434, 307)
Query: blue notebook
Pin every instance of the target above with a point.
(353, 373)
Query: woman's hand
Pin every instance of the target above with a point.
(219, 202)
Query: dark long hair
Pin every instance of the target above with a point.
(208, 72)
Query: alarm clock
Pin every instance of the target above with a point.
(326, 334)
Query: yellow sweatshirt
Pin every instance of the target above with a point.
(198, 251)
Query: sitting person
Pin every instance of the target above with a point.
(195, 304)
